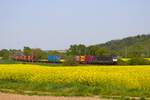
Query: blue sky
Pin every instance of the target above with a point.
(56, 24)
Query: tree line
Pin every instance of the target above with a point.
(37, 52)
(41, 54)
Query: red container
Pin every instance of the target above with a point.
(90, 59)
(24, 58)
(21, 57)
(18, 58)
(32, 58)
(87, 59)
(29, 58)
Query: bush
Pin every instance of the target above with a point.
(122, 62)
(70, 61)
(138, 61)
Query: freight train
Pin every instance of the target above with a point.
(88, 59)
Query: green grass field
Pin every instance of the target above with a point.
(77, 80)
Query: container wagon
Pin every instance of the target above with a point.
(96, 59)
(54, 59)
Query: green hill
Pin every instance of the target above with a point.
(130, 46)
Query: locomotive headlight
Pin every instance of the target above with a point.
(115, 59)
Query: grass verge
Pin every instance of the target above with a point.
(74, 89)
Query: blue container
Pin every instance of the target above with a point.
(53, 58)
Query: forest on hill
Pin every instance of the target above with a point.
(129, 47)
(135, 46)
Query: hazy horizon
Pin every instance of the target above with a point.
(76, 43)
(57, 24)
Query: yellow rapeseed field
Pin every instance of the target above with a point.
(126, 76)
